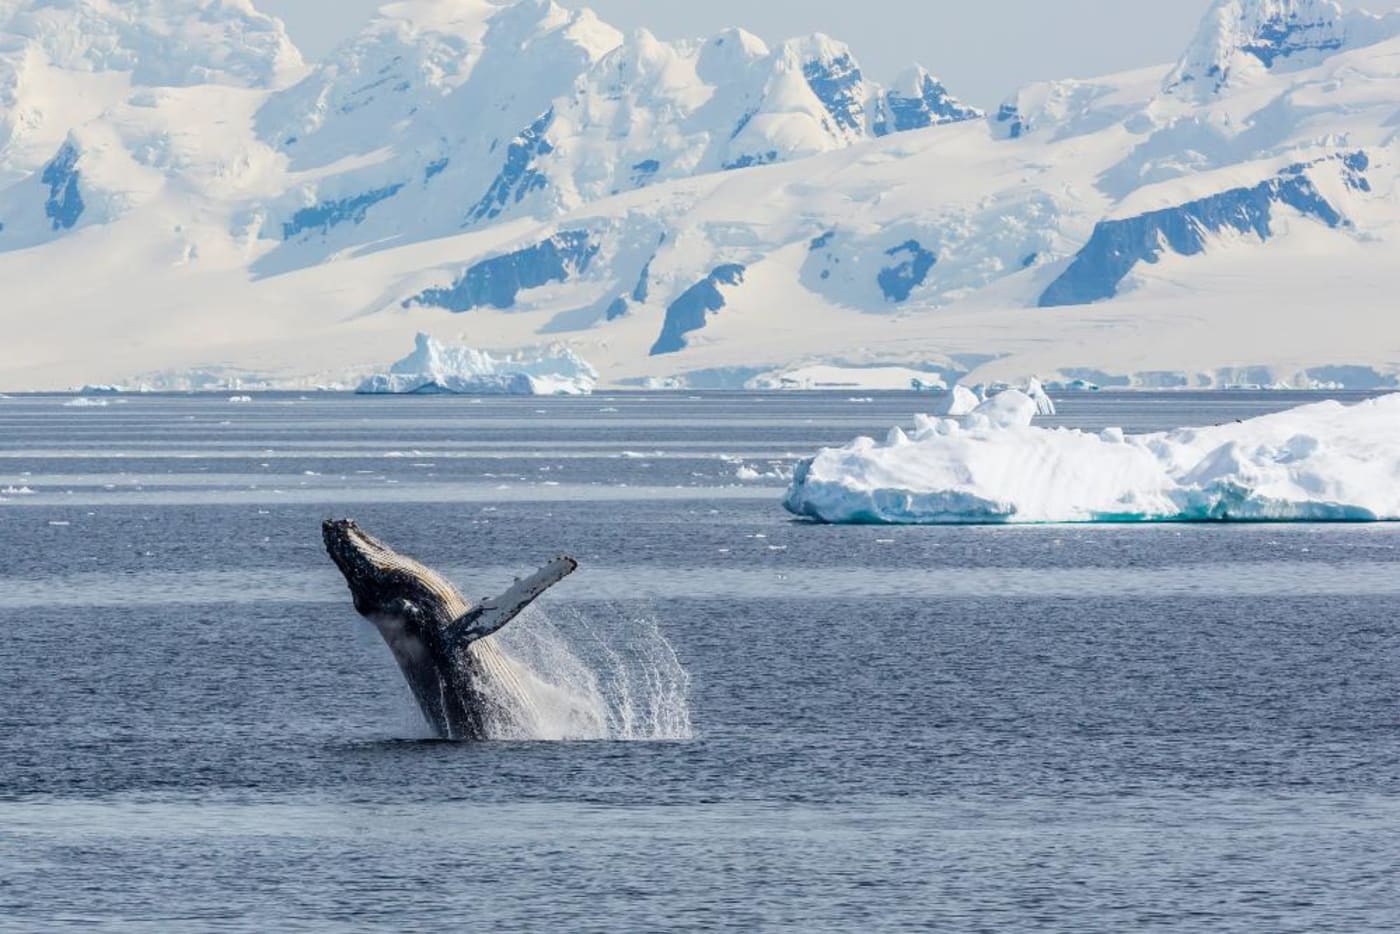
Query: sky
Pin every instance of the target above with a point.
(983, 49)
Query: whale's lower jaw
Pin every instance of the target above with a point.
(428, 677)
(408, 648)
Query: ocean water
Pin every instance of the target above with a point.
(806, 728)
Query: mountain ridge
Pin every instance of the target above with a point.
(706, 212)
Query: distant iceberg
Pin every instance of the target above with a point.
(434, 367)
(1044, 405)
(962, 400)
(1321, 462)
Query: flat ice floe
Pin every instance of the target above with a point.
(434, 367)
(838, 376)
(1321, 462)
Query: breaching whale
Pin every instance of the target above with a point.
(460, 679)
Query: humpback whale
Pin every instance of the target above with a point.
(462, 682)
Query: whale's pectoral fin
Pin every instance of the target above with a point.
(492, 615)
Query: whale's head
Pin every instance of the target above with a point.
(383, 582)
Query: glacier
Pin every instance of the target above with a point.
(435, 367)
(1320, 462)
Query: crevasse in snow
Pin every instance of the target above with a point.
(1321, 462)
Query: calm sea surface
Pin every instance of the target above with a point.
(808, 728)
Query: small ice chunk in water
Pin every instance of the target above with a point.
(958, 401)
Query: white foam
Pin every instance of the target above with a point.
(590, 678)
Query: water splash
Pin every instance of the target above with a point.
(611, 676)
(608, 674)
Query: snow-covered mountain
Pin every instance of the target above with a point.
(529, 110)
(51, 53)
(182, 197)
(1238, 38)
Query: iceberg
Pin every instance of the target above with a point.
(435, 367)
(1044, 405)
(1324, 462)
(962, 400)
(1010, 408)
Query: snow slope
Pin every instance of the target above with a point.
(1318, 462)
(184, 199)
